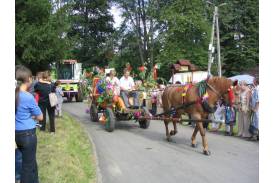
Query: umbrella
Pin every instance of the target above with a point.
(247, 78)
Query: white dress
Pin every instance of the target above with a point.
(115, 83)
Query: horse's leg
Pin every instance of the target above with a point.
(173, 132)
(193, 138)
(204, 140)
(168, 137)
(196, 129)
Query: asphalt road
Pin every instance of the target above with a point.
(133, 155)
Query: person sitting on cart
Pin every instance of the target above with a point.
(127, 87)
(114, 81)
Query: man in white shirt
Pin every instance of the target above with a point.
(127, 86)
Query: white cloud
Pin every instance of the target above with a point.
(116, 12)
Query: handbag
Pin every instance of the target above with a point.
(53, 99)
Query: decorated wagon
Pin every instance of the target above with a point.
(108, 108)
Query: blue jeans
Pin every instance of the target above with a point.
(26, 141)
(18, 164)
(255, 119)
(125, 98)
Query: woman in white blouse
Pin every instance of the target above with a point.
(112, 79)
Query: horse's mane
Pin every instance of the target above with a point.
(221, 83)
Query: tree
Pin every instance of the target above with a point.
(91, 25)
(159, 31)
(39, 34)
(186, 34)
(239, 29)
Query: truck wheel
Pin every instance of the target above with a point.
(69, 98)
(110, 120)
(145, 123)
(93, 113)
(79, 96)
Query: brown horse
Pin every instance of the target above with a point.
(216, 87)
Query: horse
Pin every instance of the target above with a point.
(197, 105)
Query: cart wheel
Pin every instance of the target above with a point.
(110, 120)
(93, 113)
(145, 123)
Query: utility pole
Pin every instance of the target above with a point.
(210, 49)
(218, 42)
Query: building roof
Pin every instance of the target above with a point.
(70, 61)
(179, 63)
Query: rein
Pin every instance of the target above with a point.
(229, 91)
(173, 110)
(202, 89)
(214, 90)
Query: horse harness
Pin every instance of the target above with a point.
(203, 95)
(201, 101)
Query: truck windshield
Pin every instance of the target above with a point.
(65, 71)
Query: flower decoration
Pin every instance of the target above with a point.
(106, 92)
(205, 96)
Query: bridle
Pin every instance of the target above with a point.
(220, 96)
(214, 90)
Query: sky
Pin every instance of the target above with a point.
(116, 12)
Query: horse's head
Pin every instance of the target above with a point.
(228, 97)
(225, 88)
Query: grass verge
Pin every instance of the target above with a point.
(65, 157)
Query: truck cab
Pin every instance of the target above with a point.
(69, 74)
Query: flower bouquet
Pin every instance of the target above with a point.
(106, 93)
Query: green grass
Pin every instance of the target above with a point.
(67, 156)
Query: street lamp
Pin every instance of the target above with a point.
(215, 21)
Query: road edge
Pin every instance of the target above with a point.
(98, 172)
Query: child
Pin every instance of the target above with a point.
(59, 94)
(218, 115)
(230, 120)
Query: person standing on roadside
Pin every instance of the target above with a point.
(243, 109)
(255, 110)
(219, 114)
(37, 78)
(44, 87)
(26, 112)
(59, 93)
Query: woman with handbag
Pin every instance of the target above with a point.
(46, 89)
(26, 112)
